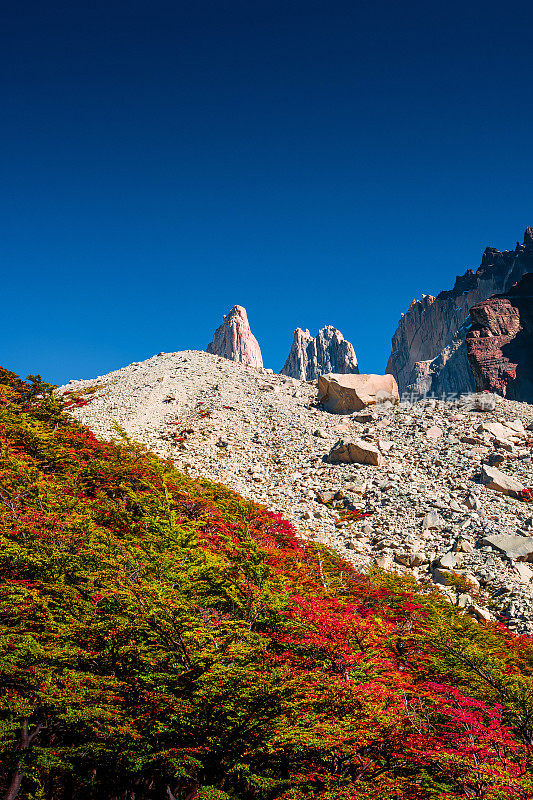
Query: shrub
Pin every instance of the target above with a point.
(164, 638)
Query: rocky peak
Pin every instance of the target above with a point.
(428, 347)
(328, 351)
(235, 340)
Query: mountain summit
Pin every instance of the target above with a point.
(428, 347)
(235, 340)
(328, 351)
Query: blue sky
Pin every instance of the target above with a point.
(316, 162)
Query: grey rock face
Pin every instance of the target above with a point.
(234, 339)
(428, 347)
(328, 351)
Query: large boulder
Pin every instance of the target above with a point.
(517, 548)
(311, 356)
(513, 431)
(355, 452)
(499, 482)
(234, 339)
(344, 394)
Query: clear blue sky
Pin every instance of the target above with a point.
(317, 162)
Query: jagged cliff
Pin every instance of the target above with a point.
(311, 356)
(500, 342)
(234, 339)
(428, 347)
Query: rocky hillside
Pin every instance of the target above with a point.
(311, 356)
(428, 347)
(448, 478)
(500, 342)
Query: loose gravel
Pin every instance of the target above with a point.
(265, 436)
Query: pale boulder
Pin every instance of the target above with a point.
(410, 558)
(385, 445)
(434, 432)
(499, 482)
(355, 452)
(524, 572)
(512, 432)
(479, 402)
(344, 394)
(517, 548)
(432, 522)
(448, 561)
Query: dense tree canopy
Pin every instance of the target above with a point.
(163, 638)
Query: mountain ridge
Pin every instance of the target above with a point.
(428, 347)
(311, 356)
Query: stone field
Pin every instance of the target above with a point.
(442, 489)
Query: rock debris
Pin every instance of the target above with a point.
(265, 436)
